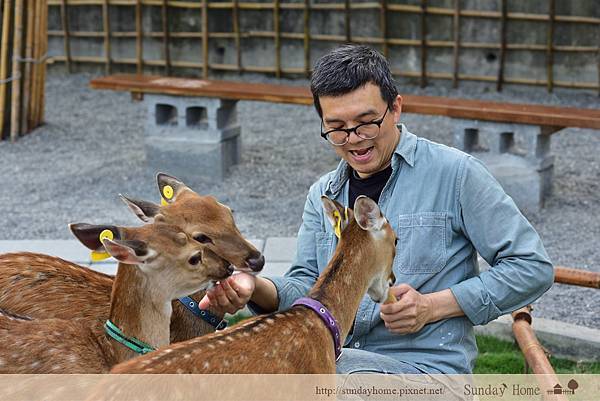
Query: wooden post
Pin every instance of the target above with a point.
(36, 82)
(550, 46)
(347, 20)
(423, 43)
(504, 7)
(106, 28)
(43, 53)
(6, 14)
(26, 122)
(139, 39)
(236, 31)
(205, 38)
(456, 49)
(307, 39)
(64, 16)
(277, 39)
(165, 28)
(383, 25)
(15, 108)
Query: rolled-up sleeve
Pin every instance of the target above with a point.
(303, 273)
(521, 269)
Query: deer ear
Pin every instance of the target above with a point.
(91, 235)
(144, 210)
(338, 215)
(367, 214)
(130, 252)
(169, 187)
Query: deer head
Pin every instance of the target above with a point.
(203, 218)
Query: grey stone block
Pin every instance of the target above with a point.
(70, 250)
(258, 244)
(280, 249)
(275, 268)
(518, 155)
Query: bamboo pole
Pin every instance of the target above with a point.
(139, 39)
(64, 16)
(26, 122)
(36, 82)
(15, 108)
(534, 353)
(347, 21)
(44, 52)
(383, 25)
(6, 14)
(106, 31)
(549, 53)
(456, 47)
(423, 44)
(504, 7)
(583, 278)
(236, 31)
(165, 28)
(306, 38)
(277, 40)
(205, 38)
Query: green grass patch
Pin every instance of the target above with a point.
(504, 357)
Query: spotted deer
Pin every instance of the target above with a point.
(157, 264)
(298, 340)
(42, 286)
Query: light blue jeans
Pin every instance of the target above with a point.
(361, 361)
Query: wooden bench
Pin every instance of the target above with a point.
(512, 139)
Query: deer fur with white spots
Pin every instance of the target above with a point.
(157, 263)
(296, 340)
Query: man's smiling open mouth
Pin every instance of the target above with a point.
(362, 154)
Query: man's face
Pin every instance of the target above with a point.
(365, 104)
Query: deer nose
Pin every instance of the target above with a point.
(256, 264)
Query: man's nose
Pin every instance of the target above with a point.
(354, 138)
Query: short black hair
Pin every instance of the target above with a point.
(348, 68)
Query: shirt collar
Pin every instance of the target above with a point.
(405, 149)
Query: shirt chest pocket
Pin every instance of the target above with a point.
(324, 249)
(421, 242)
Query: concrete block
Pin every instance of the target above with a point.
(275, 268)
(280, 249)
(109, 268)
(70, 250)
(258, 243)
(518, 155)
(192, 136)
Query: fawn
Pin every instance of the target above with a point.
(42, 286)
(157, 263)
(298, 340)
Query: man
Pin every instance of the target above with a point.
(444, 206)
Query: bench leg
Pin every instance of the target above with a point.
(195, 139)
(518, 155)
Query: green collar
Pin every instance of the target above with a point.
(130, 342)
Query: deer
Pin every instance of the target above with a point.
(42, 286)
(305, 338)
(158, 263)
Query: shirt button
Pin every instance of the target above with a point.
(357, 344)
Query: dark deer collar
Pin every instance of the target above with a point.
(326, 317)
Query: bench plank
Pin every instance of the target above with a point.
(431, 105)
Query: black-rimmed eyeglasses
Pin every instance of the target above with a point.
(339, 136)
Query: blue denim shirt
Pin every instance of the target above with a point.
(445, 207)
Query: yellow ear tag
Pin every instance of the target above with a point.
(98, 256)
(167, 194)
(338, 223)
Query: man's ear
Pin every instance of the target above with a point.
(169, 187)
(144, 210)
(367, 214)
(91, 235)
(338, 215)
(131, 252)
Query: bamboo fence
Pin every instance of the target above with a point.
(457, 14)
(22, 66)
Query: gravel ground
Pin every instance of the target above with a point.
(91, 149)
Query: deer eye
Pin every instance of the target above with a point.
(194, 260)
(203, 239)
(396, 242)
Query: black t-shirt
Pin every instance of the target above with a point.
(370, 186)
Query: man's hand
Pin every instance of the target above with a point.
(229, 295)
(409, 313)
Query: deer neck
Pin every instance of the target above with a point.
(344, 282)
(140, 309)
